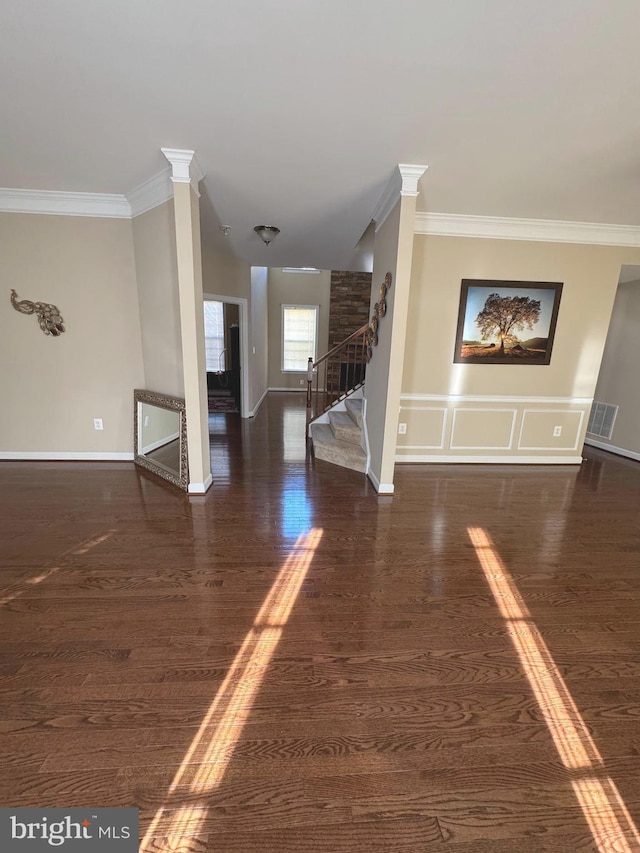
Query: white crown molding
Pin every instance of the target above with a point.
(147, 195)
(541, 230)
(151, 193)
(388, 200)
(185, 168)
(180, 161)
(106, 205)
(403, 182)
(410, 175)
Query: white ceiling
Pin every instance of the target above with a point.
(299, 109)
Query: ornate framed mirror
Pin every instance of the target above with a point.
(160, 436)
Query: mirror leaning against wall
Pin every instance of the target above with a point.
(160, 436)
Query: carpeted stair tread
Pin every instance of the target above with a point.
(331, 449)
(345, 428)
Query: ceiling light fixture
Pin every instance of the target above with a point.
(267, 232)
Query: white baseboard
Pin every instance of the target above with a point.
(159, 443)
(65, 456)
(295, 390)
(200, 488)
(381, 488)
(254, 411)
(619, 451)
(492, 460)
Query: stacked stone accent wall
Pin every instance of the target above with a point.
(348, 312)
(349, 308)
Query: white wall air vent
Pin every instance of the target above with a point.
(602, 419)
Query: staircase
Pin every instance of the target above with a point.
(334, 406)
(340, 440)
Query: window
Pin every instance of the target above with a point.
(299, 336)
(214, 336)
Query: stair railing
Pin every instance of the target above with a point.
(338, 373)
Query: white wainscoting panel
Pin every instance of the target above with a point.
(488, 421)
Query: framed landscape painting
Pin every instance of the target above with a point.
(506, 322)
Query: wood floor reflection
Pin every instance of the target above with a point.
(392, 714)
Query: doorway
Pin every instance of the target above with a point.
(226, 347)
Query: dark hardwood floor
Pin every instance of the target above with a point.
(291, 664)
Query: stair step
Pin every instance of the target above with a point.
(354, 407)
(345, 428)
(331, 449)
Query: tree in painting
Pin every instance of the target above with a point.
(504, 315)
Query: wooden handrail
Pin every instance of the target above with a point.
(337, 373)
(343, 343)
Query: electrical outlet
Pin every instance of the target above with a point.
(557, 431)
(97, 423)
(303, 381)
(402, 429)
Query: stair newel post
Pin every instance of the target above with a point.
(309, 381)
(351, 363)
(327, 382)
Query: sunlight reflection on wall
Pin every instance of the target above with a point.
(604, 809)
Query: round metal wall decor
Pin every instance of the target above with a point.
(379, 310)
(373, 331)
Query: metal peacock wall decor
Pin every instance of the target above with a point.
(49, 316)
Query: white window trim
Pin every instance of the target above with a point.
(316, 308)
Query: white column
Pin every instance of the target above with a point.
(185, 177)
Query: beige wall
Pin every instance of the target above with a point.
(483, 412)
(286, 288)
(258, 351)
(53, 388)
(618, 380)
(157, 274)
(223, 274)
